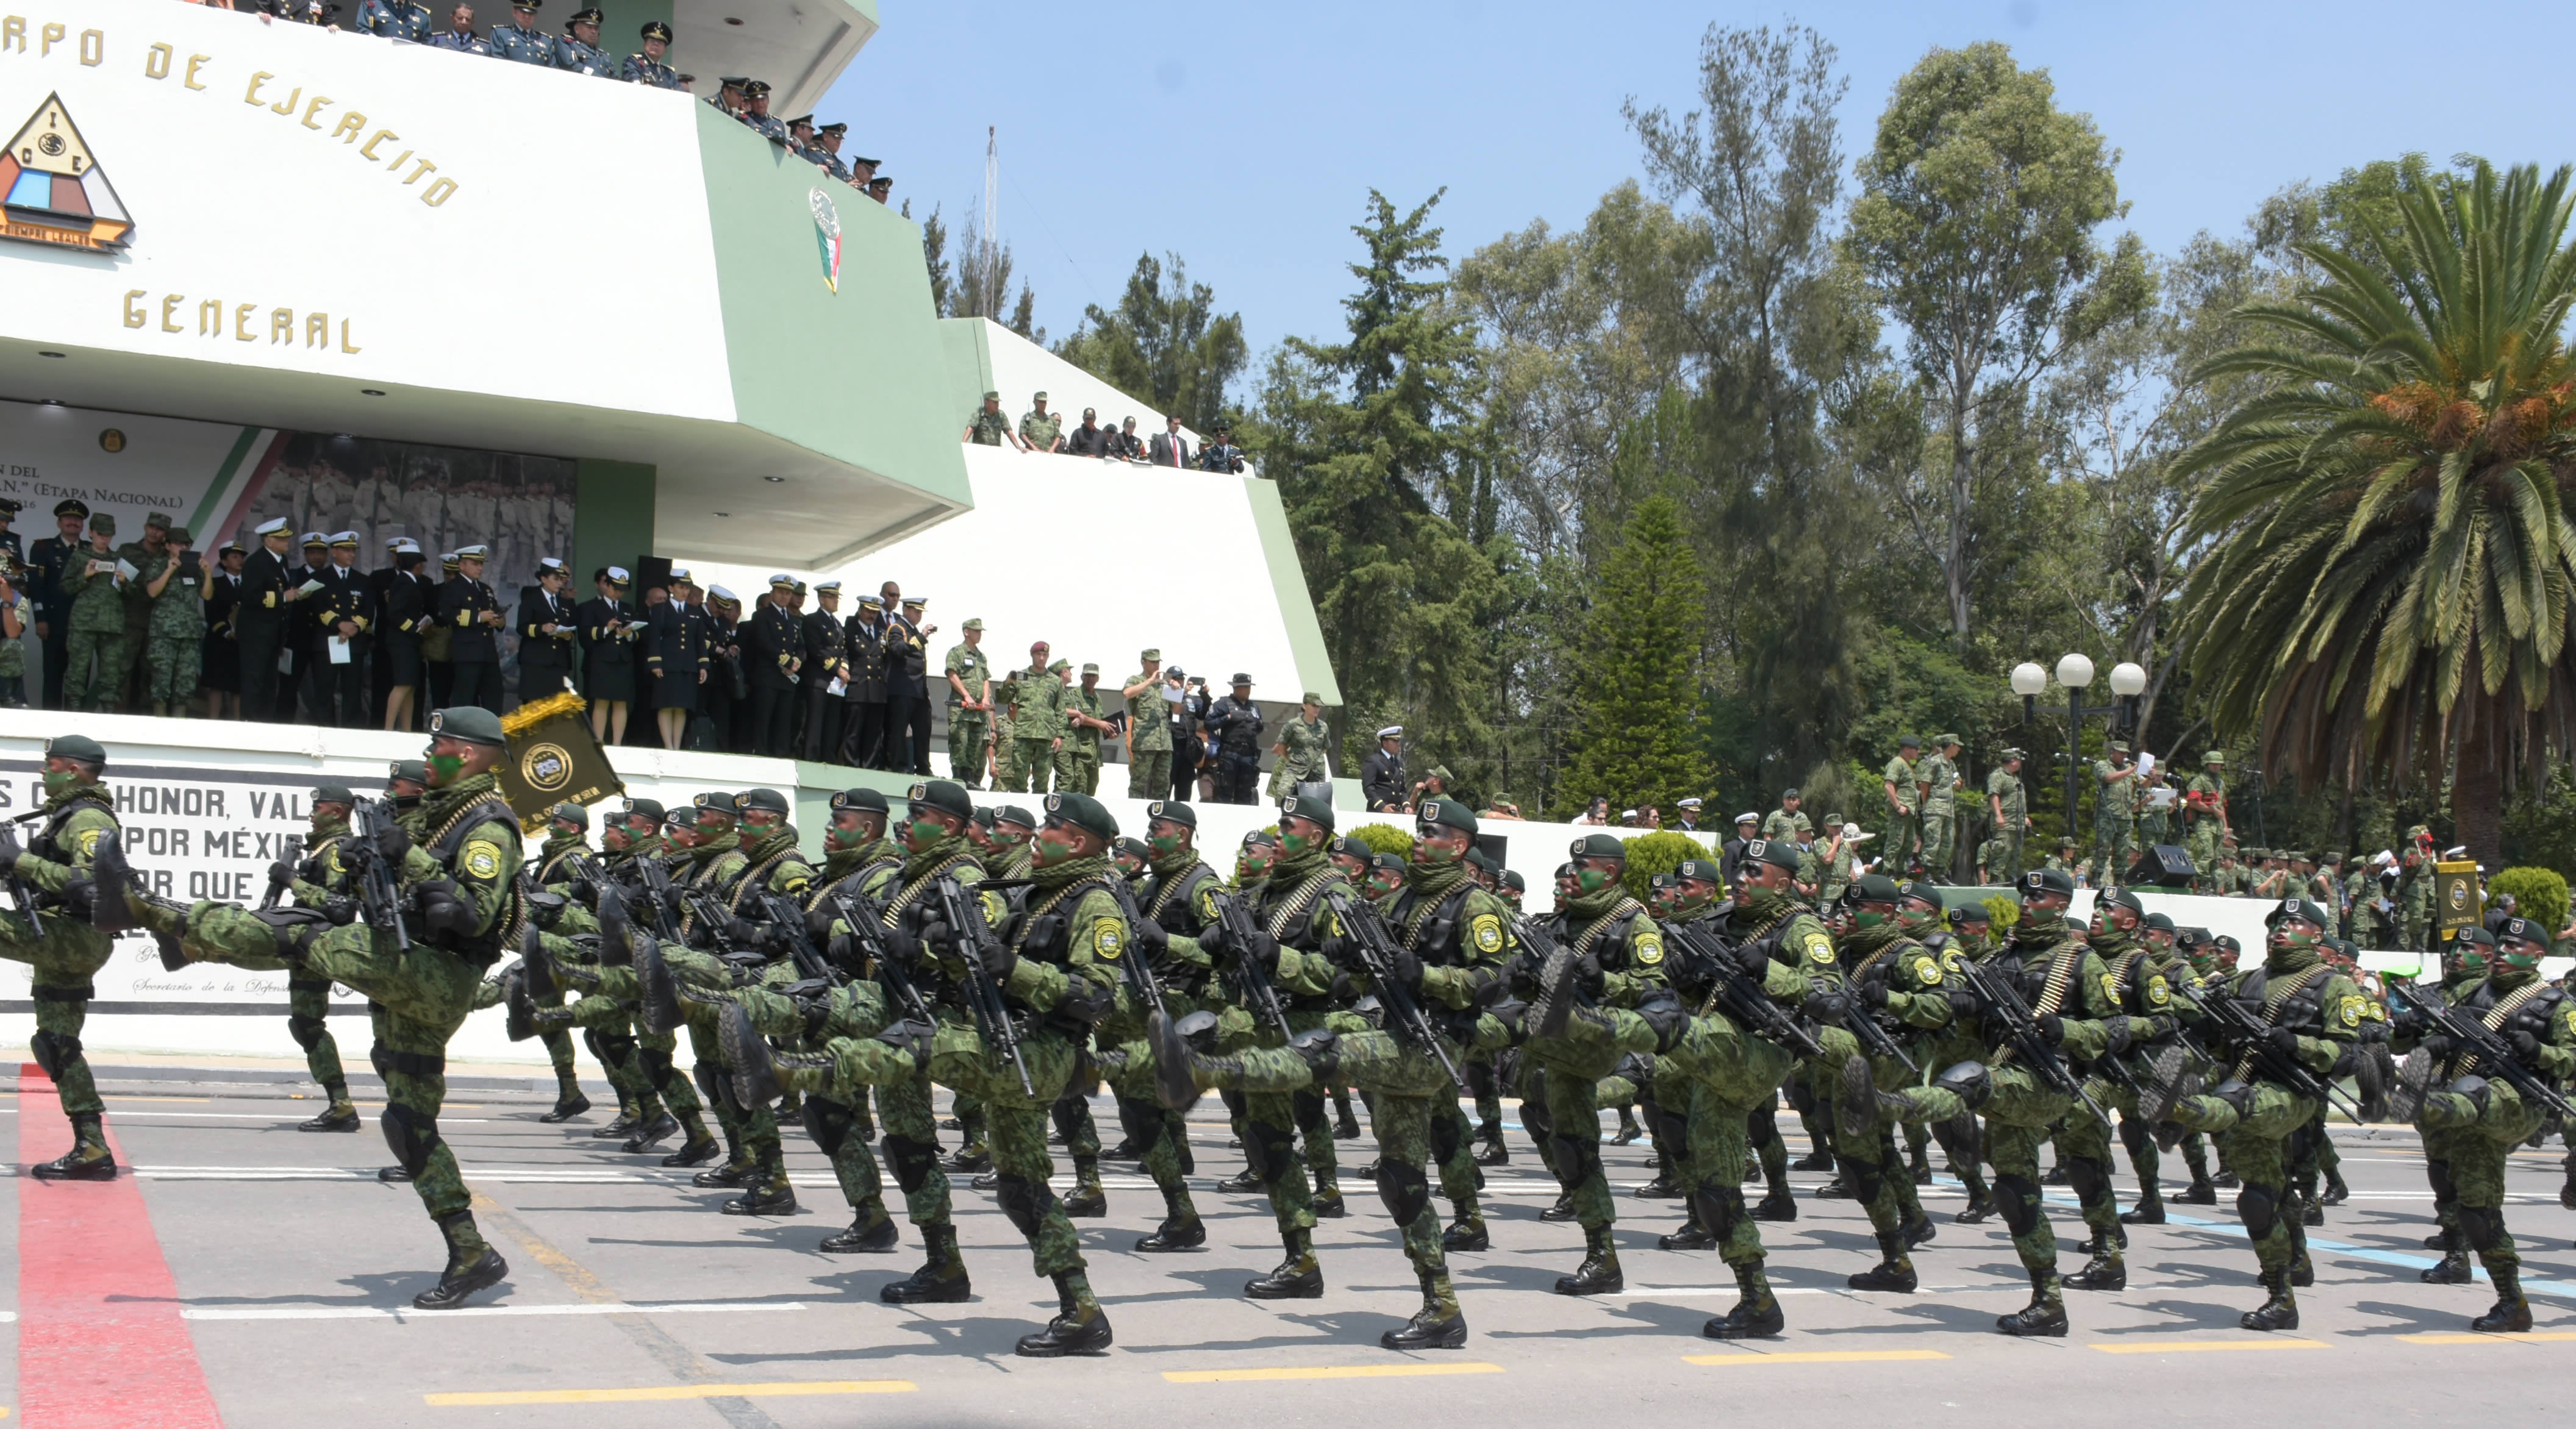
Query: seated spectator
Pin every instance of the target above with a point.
(459, 34)
(1087, 439)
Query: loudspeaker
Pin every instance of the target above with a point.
(2160, 866)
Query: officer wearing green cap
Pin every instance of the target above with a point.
(64, 943)
(1938, 777)
(1077, 762)
(1303, 748)
(970, 705)
(95, 679)
(2115, 826)
(460, 909)
(1040, 429)
(987, 427)
(2311, 1013)
(1149, 730)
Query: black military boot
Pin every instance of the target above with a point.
(1241, 1183)
(1894, 1271)
(941, 1280)
(1599, 1273)
(2453, 1267)
(1346, 1127)
(470, 1267)
(1089, 1200)
(624, 1123)
(1661, 1188)
(1837, 1189)
(2102, 1272)
(1776, 1204)
(2281, 1312)
(1079, 1327)
(89, 1158)
(1820, 1159)
(2567, 1192)
(2199, 1193)
(1918, 1232)
(341, 1115)
(569, 1103)
(650, 1134)
(1692, 1236)
(1490, 1151)
(1629, 1130)
(1174, 1235)
(1438, 1325)
(1563, 1210)
(1978, 1209)
(766, 1190)
(2043, 1317)
(2092, 1244)
(1757, 1312)
(733, 1173)
(2512, 1312)
(1328, 1204)
(2303, 1271)
(2150, 1209)
(871, 1232)
(1920, 1163)
(971, 1157)
(1123, 1151)
(2336, 1191)
(1299, 1277)
(1467, 1235)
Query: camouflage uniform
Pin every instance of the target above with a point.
(1077, 765)
(67, 953)
(1896, 833)
(967, 728)
(988, 429)
(2005, 788)
(1302, 755)
(95, 679)
(1149, 739)
(1035, 726)
(1040, 429)
(2203, 830)
(176, 631)
(2115, 829)
(1940, 811)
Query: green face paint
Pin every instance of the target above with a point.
(1866, 915)
(1592, 880)
(1053, 846)
(445, 769)
(1164, 845)
(920, 834)
(1431, 855)
(844, 837)
(1292, 843)
(59, 782)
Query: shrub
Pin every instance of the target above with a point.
(2539, 894)
(1659, 852)
(2004, 909)
(1385, 838)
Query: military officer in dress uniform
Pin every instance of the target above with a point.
(394, 19)
(548, 622)
(647, 67)
(772, 651)
(459, 34)
(755, 111)
(823, 642)
(269, 590)
(864, 643)
(520, 39)
(471, 613)
(44, 587)
(578, 50)
(827, 150)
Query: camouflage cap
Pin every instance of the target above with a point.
(973, 622)
(158, 520)
(2215, 756)
(1150, 653)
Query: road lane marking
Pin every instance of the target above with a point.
(2543, 1336)
(1360, 1371)
(778, 1389)
(1752, 1357)
(392, 1312)
(2193, 1346)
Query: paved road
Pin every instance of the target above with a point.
(287, 1263)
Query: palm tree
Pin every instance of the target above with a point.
(2389, 561)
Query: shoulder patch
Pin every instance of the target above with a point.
(1487, 931)
(1929, 972)
(2158, 994)
(1649, 948)
(482, 859)
(1207, 901)
(2111, 988)
(88, 841)
(2350, 1010)
(1820, 948)
(1108, 936)
(1951, 962)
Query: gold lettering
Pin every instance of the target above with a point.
(367, 150)
(292, 100)
(13, 33)
(93, 48)
(351, 124)
(156, 62)
(317, 330)
(426, 168)
(396, 165)
(281, 326)
(251, 95)
(346, 345)
(210, 318)
(241, 323)
(134, 316)
(437, 193)
(190, 78)
(53, 35)
(312, 109)
(170, 304)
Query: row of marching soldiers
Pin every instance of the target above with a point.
(1010, 965)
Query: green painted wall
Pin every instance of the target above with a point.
(1288, 581)
(860, 375)
(612, 518)
(621, 26)
(970, 365)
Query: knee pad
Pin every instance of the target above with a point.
(1801, 1101)
(2089, 1178)
(2439, 1174)
(913, 1161)
(714, 1088)
(2017, 1197)
(2134, 1136)
(54, 1051)
(2482, 1226)
(2474, 1088)
(1404, 1189)
(1026, 1202)
(612, 1050)
(376, 1059)
(2239, 1095)
(1575, 1158)
(828, 1122)
(1142, 1122)
(1269, 1150)
(1762, 1126)
(656, 1066)
(1309, 1107)
(1867, 1181)
(1448, 1133)
(2259, 1207)
(411, 1136)
(1971, 1082)
(1721, 1206)
(307, 1031)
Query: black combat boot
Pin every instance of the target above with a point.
(627, 1119)
(1079, 1327)
(89, 1158)
(1776, 1204)
(1661, 1188)
(2567, 1192)
(2199, 1193)
(2044, 1316)
(1299, 1277)
(1692, 1236)
(1918, 1232)
(1243, 1182)
(1837, 1189)
(471, 1266)
(1467, 1235)
(1628, 1128)
(736, 1170)
(1894, 1271)
(569, 1103)
(1563, 1210)
(1438, 1325)
(766, 1191)
(2512, 1313)
(2453, 1267)
(871, 1232)
(647, 1136)
(696, 1151)
(1921, 1164)
(1328, 1204)
(1088, 1201)
(971, 1157)
(1490, 1151)
(2336, 1191)
(2303, 1271)
(2281, 1312)
(2102, 1272)
(1346, 1127)
(2150, 1209)
(1599, 1273)
(1175, 1234)
(1978, 1209)
(1820, 1159)
(941, 1280)
(1123, 1151)
(1757, 1312)
(2092, 1244)
(341, 1115)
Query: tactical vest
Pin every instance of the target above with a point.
(1174, 908)
(1291, 919)
(2532, 1006)
(484, 949)
(1431, 931)
(1606, 941)
(2298, 1004)
(47, 844)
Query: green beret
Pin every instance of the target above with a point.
(470, 723)
(2161, 922)
(1134, 848)
(570, 813)
(1970, 915)
(1350, 846)
(1873, 888)
(1173, 811)
(1699, 870)
(770, 799)
(409, 771)
(1779, 853)
(1922, 892)
(76, 746)
(864, 801)
(685, 817)
(946, 795)
(1312, 806)
(1515, 882)
(1082, 812)
(1014, 814)
(2123, 898)
(1261, 838)
(982, 817)
(2040, 882)
(1389, 862)
(333, 794)
(1476, 859)
(1446, 813)
(649, 808)
(1600, 846)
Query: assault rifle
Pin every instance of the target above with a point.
(1141, 976)
(868, 934)
(1377, 953)
(2003, 1008)
(1737, 992)
(1251, 981)
(2474, 1035)
(963, 912)
(377, 891)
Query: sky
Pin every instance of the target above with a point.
(1246, 138)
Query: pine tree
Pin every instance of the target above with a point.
(1636, 735)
